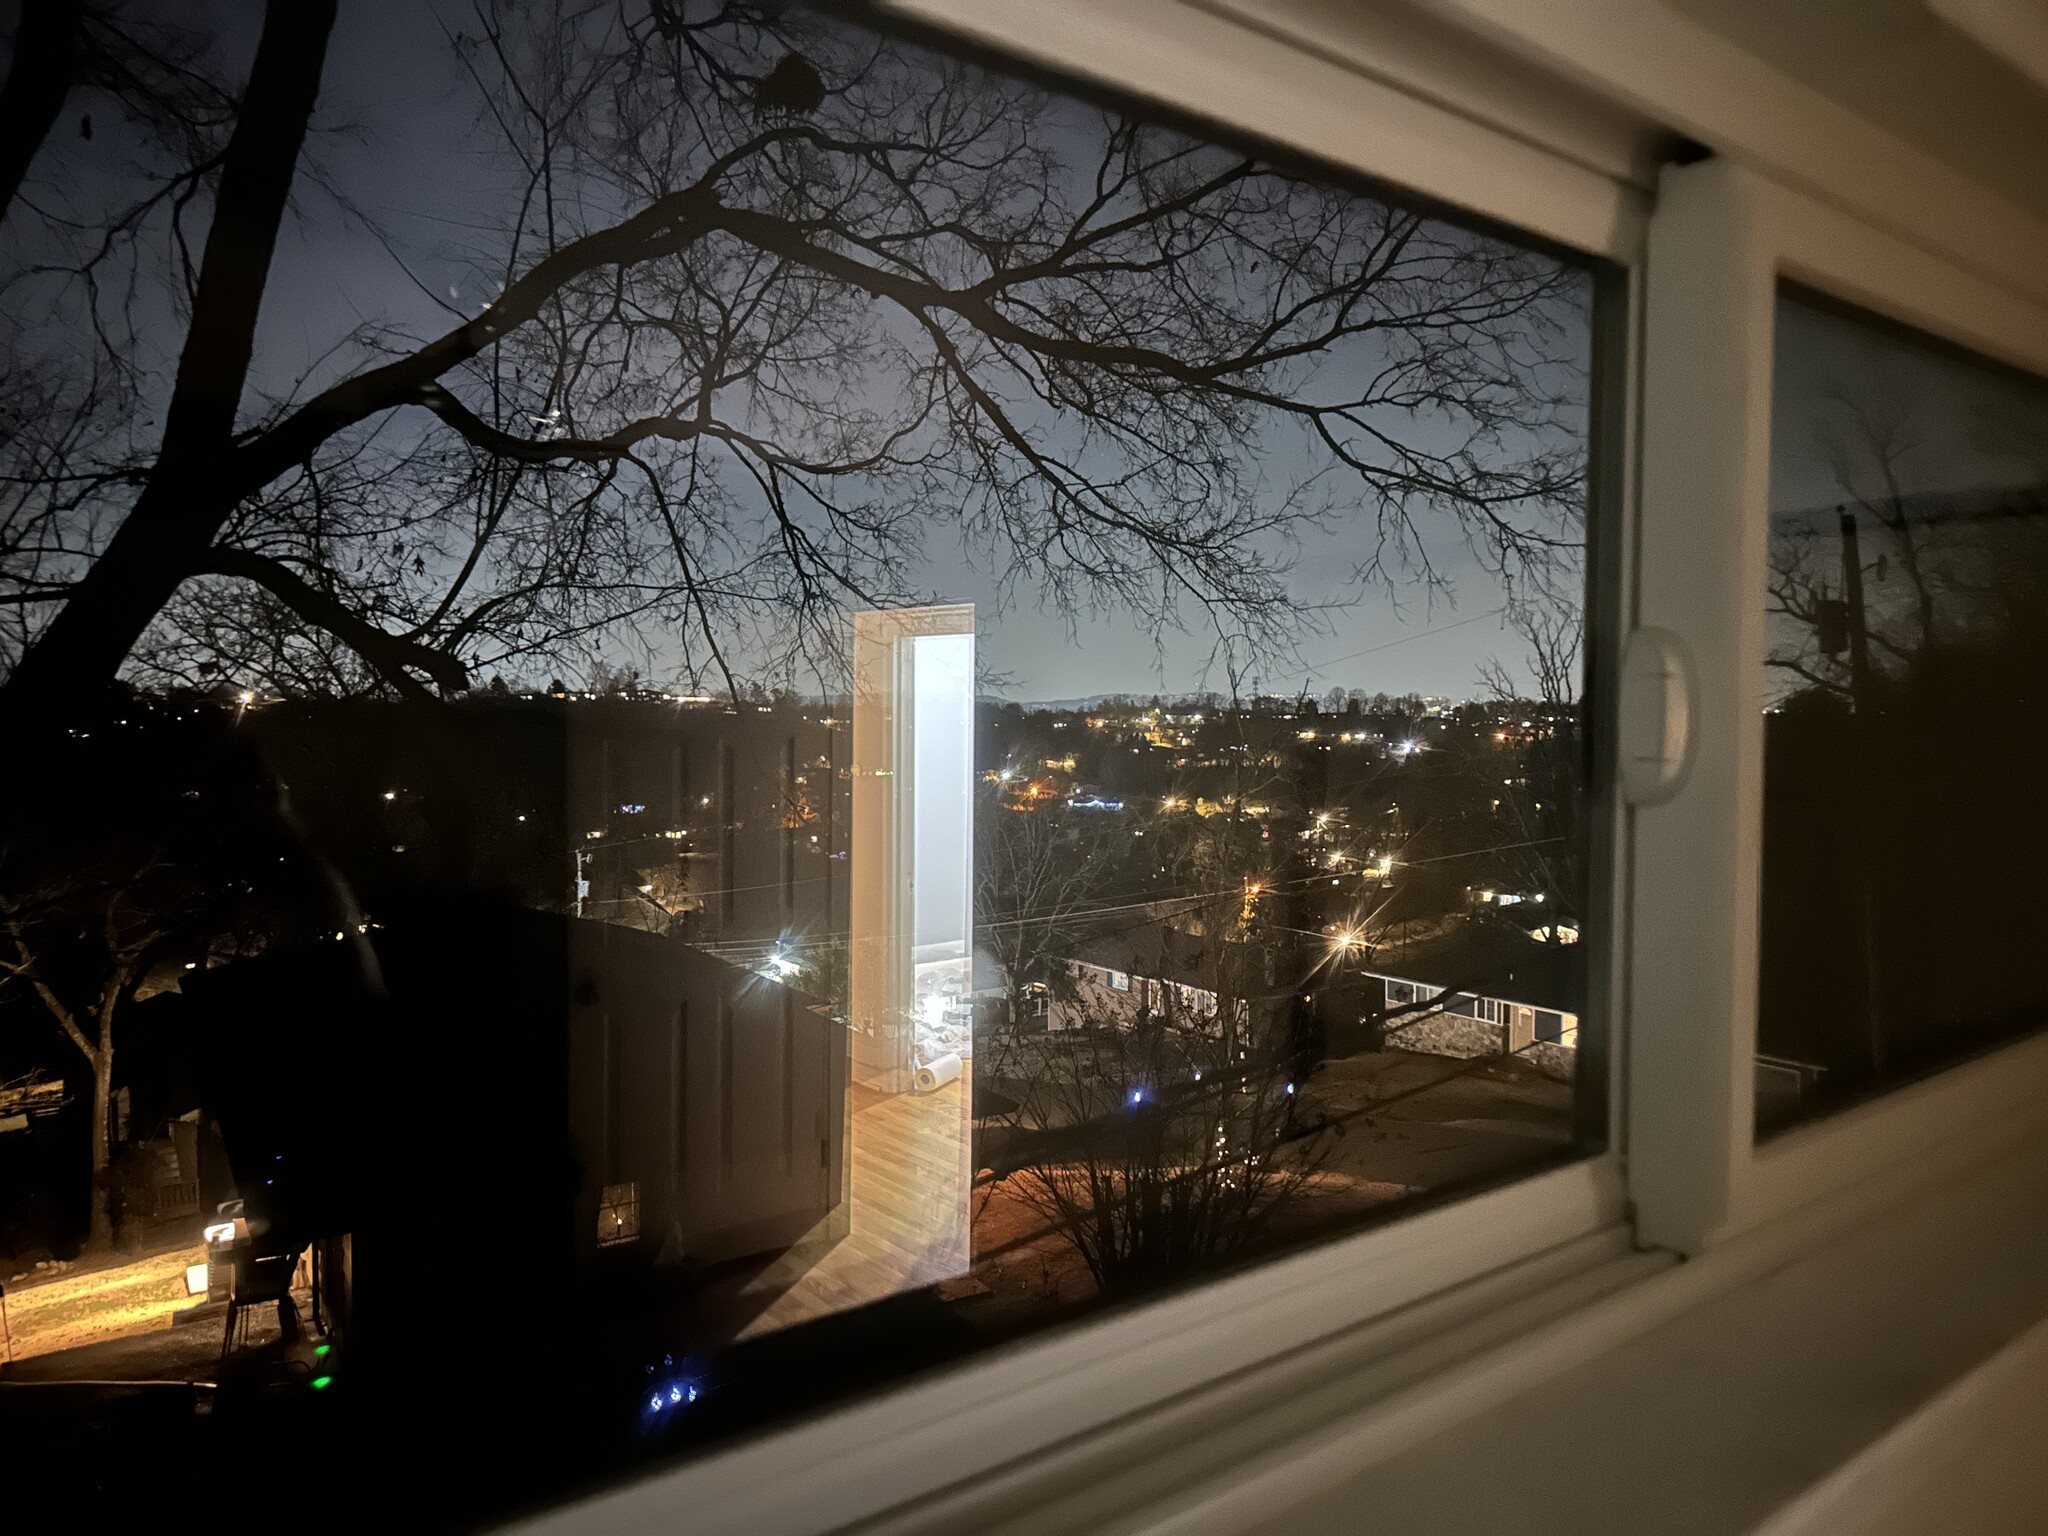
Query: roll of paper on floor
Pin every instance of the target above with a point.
(936, 1073)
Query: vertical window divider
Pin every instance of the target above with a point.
(1721, 241)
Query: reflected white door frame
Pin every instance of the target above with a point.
(913, 825)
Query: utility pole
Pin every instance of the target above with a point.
(1852, 593)
(1865, 801)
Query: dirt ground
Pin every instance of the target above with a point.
(85, 1303)
(1401, 1123)
(1419, 1122)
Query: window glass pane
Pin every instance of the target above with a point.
(813, 707)
(1902, 841)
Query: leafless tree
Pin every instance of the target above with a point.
(668, 892)
(1933, 554)
(1038, 877)
(110, 921)
(82, 53)
(137, 874)
(128, 941)
(777, 304)
(1541, 802)
(1160, 1147)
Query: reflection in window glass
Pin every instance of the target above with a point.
(811, 707)
(618, 1214)
(1907, 592)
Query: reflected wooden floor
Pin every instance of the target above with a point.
(908, 1207)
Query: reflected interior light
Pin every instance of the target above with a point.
(672, 1394)
(195, 1279)
(321, 1383)
(219, 1232)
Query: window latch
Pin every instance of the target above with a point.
(1657, 708)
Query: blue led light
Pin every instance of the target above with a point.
(670, 1391)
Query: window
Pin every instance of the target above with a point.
(944, 547)
(618, 1214)
(1905, 672)
(1768, 1082)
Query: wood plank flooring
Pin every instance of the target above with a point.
(908, 1211)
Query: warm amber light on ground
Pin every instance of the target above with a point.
(112, 1301)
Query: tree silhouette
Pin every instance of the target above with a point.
(777, 305)
(1160, 1142)
(136, 878)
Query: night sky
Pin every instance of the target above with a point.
(398, 136)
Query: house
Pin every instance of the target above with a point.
(1482, 989)
(615, 1098)
(1154, 968)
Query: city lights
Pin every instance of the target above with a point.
(598, 1052)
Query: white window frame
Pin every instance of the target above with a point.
(1722, 239)
(989, 1410)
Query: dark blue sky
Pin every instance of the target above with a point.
(398, 136)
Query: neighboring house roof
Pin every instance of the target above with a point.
(1157, 951)
(1492, 959)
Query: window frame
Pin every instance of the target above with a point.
(1722, 240)
(990, 1409)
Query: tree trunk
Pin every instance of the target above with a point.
(102, 1233)
(193, 487)
(83, 648)
(45, 65)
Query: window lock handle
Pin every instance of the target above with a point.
(1658, 706)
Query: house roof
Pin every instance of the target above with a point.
(1159, 951)
(1491, 959)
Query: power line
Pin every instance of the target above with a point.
(1420, 634)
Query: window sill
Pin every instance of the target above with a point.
(1019, 1417)
(1588, 1388)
